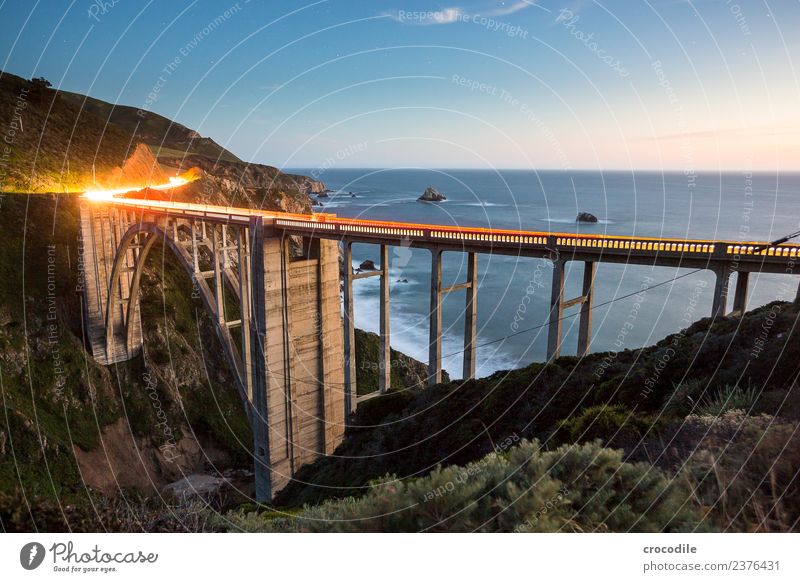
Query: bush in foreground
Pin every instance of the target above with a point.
(575, 488)
(744, 471)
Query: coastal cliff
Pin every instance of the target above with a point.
(240, 184)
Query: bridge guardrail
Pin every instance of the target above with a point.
(330, 223)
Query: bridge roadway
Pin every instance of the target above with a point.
(722, 257)
(288, 362)
(668, 252)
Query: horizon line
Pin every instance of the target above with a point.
(513, 169)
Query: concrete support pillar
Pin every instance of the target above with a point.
(218, 283)
(435, 341)
(289, 349)
(350, 388)
(385, 356)
(720, 305)
(195, 258)
(244, 294)
(224, 247)
(556, 311)
(740, 295)
(471, 317)
(260, 378)
(585, 328)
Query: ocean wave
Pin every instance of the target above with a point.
(573, 221)
(483, 204)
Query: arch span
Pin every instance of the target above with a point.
(121, 326)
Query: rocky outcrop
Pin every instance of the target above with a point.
(586, 217)
(367, 265)
(124, 461)
(196, 485)
(309, 186)
(239, 184)
(431, 194)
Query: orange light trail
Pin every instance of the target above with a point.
(105, 195)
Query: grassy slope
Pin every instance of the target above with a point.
(41, 420)
(164, 136)
(409, 433)
(58, 144)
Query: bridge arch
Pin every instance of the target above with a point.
(121, 310)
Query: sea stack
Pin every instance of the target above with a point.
(431, 195)
(586, 217)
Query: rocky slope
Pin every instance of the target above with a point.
(240, 184)
(52, 145)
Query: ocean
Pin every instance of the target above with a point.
(514, 293)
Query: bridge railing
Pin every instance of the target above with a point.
(331, 224)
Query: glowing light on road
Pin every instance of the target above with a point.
(105, 195)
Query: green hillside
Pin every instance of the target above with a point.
(164, 136)
(50, 143)
(64, 142)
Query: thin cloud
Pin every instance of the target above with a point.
(447, 15)
(453, 14)
(511, 9)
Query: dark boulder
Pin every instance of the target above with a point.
(586, 217)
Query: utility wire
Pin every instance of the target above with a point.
(776, 242)
(595, 306)
(535, 327)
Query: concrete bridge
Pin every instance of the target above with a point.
(289, 340)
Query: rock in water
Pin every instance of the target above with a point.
(431, 195)
(367, 266)
(586, 217)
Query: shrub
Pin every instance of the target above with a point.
(727, 399)
(614, 424)
(744, 472)
(685, 398)
(573, 488)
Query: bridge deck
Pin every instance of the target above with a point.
(748, 255)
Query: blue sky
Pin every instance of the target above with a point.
(664, 84)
